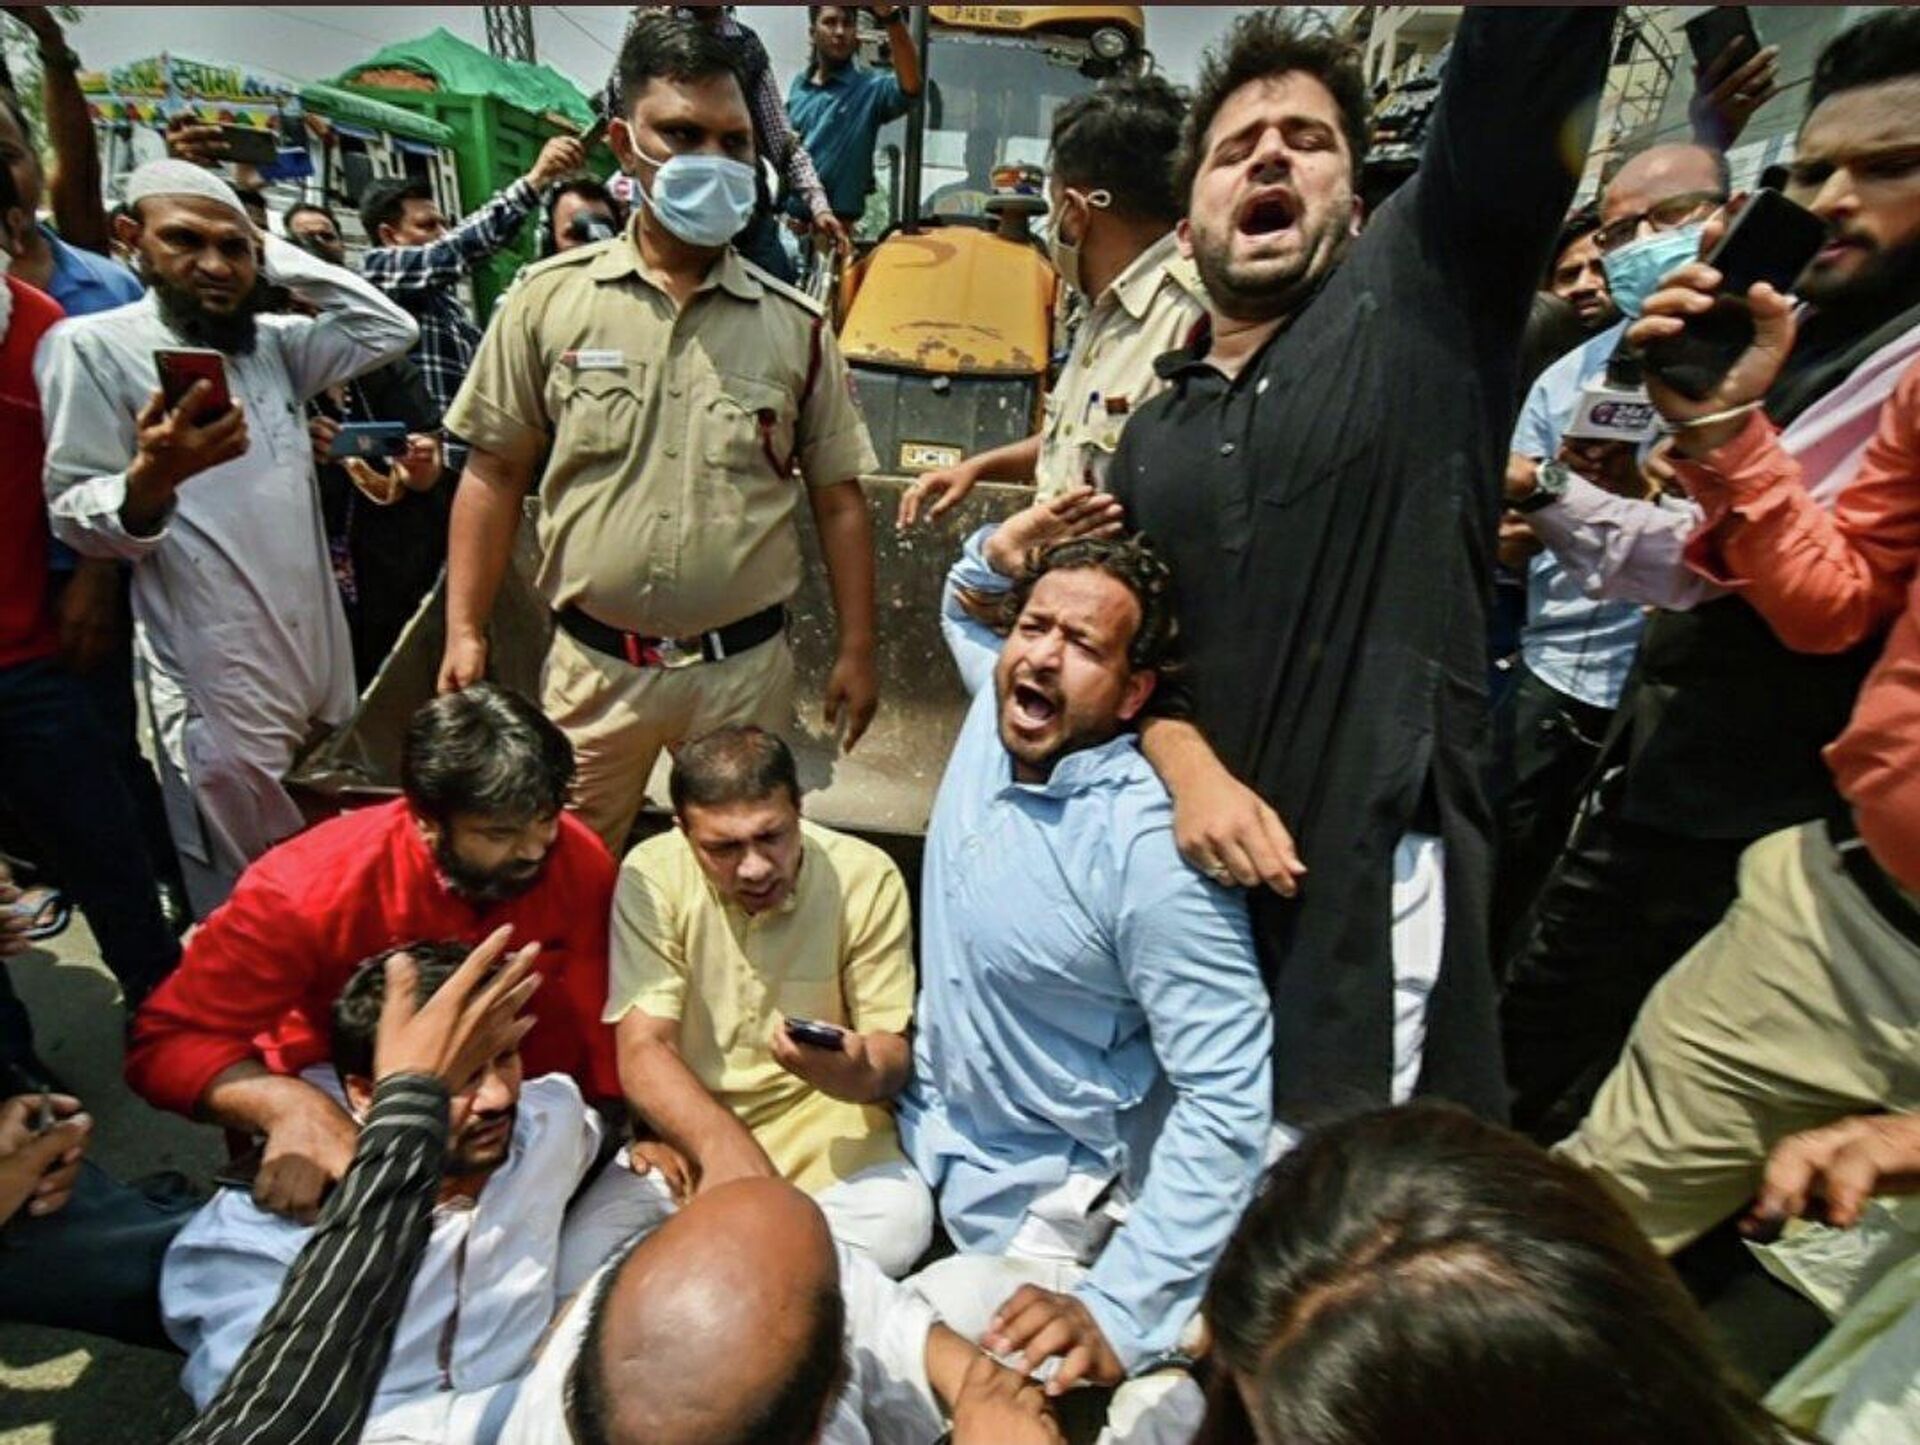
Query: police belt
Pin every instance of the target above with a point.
(673, 652)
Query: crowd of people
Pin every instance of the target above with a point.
(1259, 896)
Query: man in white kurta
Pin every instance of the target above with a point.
(238, 623)
(481, 1300)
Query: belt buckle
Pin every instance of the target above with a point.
(674, 653)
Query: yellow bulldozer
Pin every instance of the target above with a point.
(951, 322)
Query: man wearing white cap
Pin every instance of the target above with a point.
(239, 626)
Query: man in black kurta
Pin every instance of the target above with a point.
(1330, 512)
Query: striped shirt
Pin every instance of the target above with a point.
(310, 1374)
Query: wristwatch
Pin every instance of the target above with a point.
(1550, 482)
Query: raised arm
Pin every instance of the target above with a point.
(356, 330)
(488, 230)
(1508, 140)
(74, 187)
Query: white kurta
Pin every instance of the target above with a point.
(238, 623)
(481, 1299)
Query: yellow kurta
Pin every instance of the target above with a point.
(839, 950)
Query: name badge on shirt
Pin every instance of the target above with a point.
(596, 360)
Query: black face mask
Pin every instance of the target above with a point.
(234, 334)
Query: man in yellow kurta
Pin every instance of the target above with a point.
(762, 985)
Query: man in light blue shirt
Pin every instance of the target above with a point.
(1576, 652)
(1091, 1097)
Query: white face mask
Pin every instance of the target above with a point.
(1065, 254)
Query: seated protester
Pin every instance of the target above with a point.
(737, 937)
(575, 212)
(478, 841)
(1091, 1092)
(649, 1352)
(1358, 1299)
(485, 1289)
(1803, 1005)
(386, 518)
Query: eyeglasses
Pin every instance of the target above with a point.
(1662, 216)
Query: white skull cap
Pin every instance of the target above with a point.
(181, 178)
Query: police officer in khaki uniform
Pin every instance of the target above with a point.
(674, 389)
(1112, 240)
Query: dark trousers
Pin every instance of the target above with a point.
(1548, 744)
(1624, 903)
(94, 1266)
(57, 775)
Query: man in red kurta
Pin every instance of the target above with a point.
(479, 841)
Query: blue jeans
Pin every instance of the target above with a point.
(58, 773)
(94, 1266)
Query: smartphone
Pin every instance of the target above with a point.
(370, 441)
(594, 133)
(180, 369)
(1712, 31)
(816, 1035)
(249, 145)
(1772, 240)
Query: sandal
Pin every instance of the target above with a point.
(46, 910)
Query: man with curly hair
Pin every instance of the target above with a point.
(1091, 1060)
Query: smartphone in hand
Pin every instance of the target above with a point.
(816, 1035)
(1712, 32)
(181, 367)
(1771, 240)
(370, 441)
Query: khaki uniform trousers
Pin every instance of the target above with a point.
(619, 718)
(1800, 1008)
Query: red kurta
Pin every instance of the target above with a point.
(260, 975)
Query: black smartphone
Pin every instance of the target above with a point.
(180, 368)
(370, 441)
(1772, 240)
(594, 133)
(1712, 31)
(250, 145)
(816, 1035)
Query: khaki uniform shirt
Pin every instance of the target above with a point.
(840, 950)
(1149, 310)
(667, 507)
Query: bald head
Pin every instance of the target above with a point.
(724, 1325)
(1661, 173)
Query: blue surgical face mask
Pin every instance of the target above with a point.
(1634, 272)
(704, 200)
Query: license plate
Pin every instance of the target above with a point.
(928, 456)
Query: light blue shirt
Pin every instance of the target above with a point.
(1574, 644)
(1090, 1007)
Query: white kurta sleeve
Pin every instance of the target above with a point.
(91, 441)
(358, 327)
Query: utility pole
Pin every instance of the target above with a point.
(510, 31)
